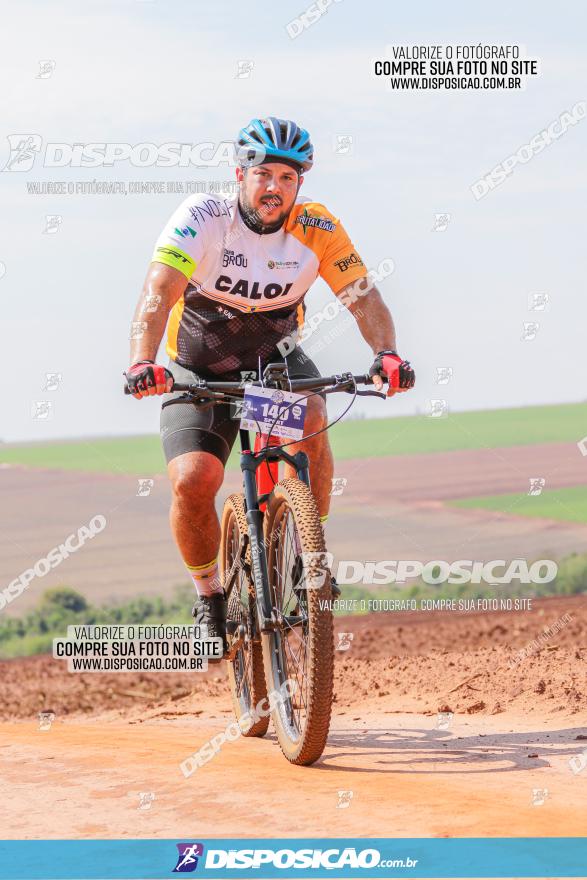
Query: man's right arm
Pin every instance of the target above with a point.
(163, 287)
(178, 250)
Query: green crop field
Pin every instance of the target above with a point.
(565, 504)
(360, 438)
(126, 455)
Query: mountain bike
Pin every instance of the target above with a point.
(274, 569)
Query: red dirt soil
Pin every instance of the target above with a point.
(398, 661)
(513, 732)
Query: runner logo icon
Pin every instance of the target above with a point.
(23, 151)
(187, 859)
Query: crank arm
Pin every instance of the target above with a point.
(235, 646)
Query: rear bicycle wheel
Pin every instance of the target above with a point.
(300, 649)
(245, 664)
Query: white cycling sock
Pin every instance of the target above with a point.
(206, 578)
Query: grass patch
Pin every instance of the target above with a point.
(61, 607)
(360, 438)
(461, 430)
(124, 455)
(568, 504)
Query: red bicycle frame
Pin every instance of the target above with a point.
(267, 474)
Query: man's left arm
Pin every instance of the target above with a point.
(372, 316)
(344, 271)
(378, 330)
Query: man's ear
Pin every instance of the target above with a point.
(240, 174)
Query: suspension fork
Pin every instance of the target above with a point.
(255, 513)
(268, 472)
(249, 468)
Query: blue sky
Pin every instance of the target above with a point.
(142, 71)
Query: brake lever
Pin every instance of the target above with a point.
(368, 393)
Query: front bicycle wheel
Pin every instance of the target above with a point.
(245, 664)
(298, 654)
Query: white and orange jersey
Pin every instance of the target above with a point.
(246, 290)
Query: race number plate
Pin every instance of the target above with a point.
(268, 409)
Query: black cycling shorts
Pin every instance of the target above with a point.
(187, 428)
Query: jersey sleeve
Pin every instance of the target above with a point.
(181, 244)
(340, 263)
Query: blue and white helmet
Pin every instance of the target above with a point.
(277, 140)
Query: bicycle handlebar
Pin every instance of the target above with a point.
(339, 382)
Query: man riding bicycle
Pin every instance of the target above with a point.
(228, 277)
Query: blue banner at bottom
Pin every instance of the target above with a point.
(224, 858)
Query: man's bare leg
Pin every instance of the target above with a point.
(196, 478)
(318, 451)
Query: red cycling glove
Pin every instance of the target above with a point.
(400, 374)
(146, 378)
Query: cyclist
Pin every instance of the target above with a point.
(228, 277)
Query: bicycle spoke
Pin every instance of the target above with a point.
(301, 686)
(287, 561)
(298, 672)
(301, 671)
(243, 665)
(300, 646)
(291, 654)
(302, 707)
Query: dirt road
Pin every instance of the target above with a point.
(399, 776)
